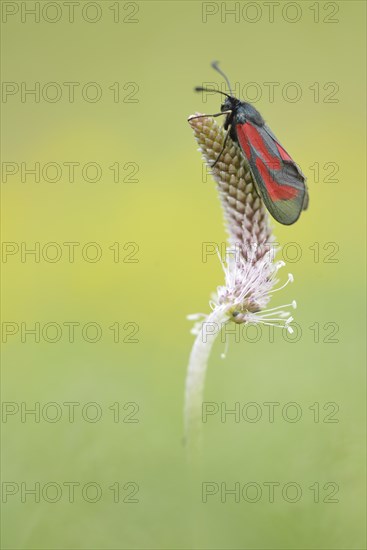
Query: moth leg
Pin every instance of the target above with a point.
(224, 144)
(205, 116)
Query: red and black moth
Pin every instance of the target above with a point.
(279, 180)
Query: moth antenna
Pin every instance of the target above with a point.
(200, 89)
(216, 68)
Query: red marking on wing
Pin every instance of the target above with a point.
(276, 191)
(243, 141)
(247, 133)
(283, 153)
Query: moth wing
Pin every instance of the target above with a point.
(279, 180)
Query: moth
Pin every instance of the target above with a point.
(279, 180)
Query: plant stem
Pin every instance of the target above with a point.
(195, 379)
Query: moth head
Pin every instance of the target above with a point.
(229, 104)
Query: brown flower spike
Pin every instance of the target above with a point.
(245, 214)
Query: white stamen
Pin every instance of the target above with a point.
(265, 311)
(289, 280)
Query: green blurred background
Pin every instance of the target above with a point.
(169, 212)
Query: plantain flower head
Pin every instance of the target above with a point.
(251, 273)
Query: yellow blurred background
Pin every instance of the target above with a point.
(149, 227)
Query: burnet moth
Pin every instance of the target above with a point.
(279, 180)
